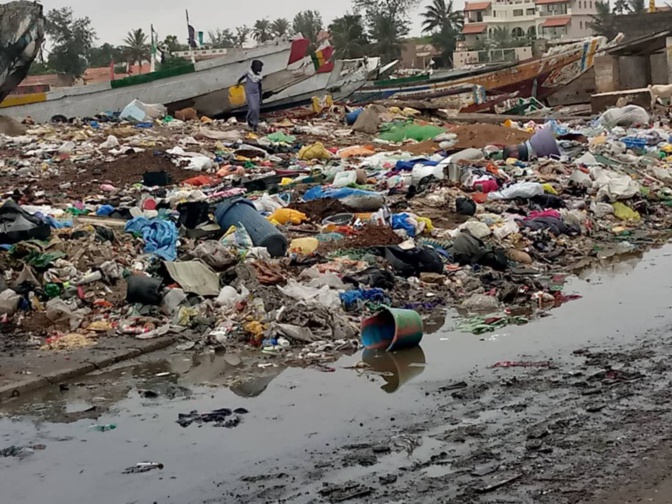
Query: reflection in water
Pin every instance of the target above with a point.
(396, 367)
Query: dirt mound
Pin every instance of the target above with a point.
(368, 236)
(480, 135)
(318, 210)
(130, 169)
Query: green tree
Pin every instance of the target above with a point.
(500, 38)
(309, 24)
(136, 47)
(281, 28)
(173, 62)
(387, 23)
(444, 24)
(72, 40)
(102, 56)
(242, 35)
(348, 36)
(262, 31)
(222, 39)
(172, 44)
(39, 68)
(439, 15)
(603, 21)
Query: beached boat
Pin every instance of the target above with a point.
(538, 77)
(284, 63)
(342, 79)
(21, 37)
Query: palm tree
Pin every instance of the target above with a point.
(440, 15)
(280, 27)
(242, 35)
(388, 31)
(635, 6)
(136, 48)
(603, 21)
(444, 24)
(348, 36)
(501, 37)
(262, 31)
(308, 24)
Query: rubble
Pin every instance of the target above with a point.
(282, 242)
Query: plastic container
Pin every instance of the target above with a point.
(392, 329)
(305, 246)
(351, 117)
(634, 143)
(237, 96)
(341, 219)
(345, 178)
(263, 233)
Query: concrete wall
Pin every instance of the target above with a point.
(634, 72)
(639, 25)
(606, 74)
(659, 73)
(578, 91)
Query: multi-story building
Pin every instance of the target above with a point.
(526, 20)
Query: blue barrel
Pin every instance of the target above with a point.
(351, 117)
(264, 234)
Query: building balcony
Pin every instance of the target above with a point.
(567, 12)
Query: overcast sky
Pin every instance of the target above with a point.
(113, 19)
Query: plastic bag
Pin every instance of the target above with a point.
(314, 151)
(137, 111)
(286, 215)
(411, 131)
(524, 190)
(624, 116)
(624, 212)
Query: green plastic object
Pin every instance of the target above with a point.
(52, 290)
(399, 132)
(392, 329)
(281, 137)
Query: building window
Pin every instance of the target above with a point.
(580, 4)
(517, 12)
(581, 24)
(517, 32)
(591, 4)
(530, 12)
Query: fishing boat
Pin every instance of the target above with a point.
(285, 63)
(537, 77)
(338, 80)
(19, 45)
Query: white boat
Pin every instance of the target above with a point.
(170, 87)
(346, 77)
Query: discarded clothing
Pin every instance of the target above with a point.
(414, 261)
(17, 225)
(351, 298)
(160, 236)
(223, 417)
(553, 224)
(465, 206)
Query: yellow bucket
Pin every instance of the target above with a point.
(237, 96)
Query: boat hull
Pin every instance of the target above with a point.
(537, 77)
(199, 79)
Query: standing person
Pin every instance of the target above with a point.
(253, 93)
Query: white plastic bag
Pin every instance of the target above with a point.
(137, 111)
(624, 116)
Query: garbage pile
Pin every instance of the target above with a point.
(282, 242)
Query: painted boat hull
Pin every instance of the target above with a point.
(539, 77)
(20, 44)
(204, 78)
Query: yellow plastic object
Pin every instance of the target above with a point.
(410, 112)
(394, 110)
(624, 212)
(286, 181)
(305, 246)
(237, 96)
(286, 215)
(321, 103)
(508, 123)
(428, 224)
(549, 189)
(314, 151)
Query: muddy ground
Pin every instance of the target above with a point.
(587, 421)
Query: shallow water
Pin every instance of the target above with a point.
(291, 410)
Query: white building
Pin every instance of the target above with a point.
(524, 20)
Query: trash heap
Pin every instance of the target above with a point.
(283, 242)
